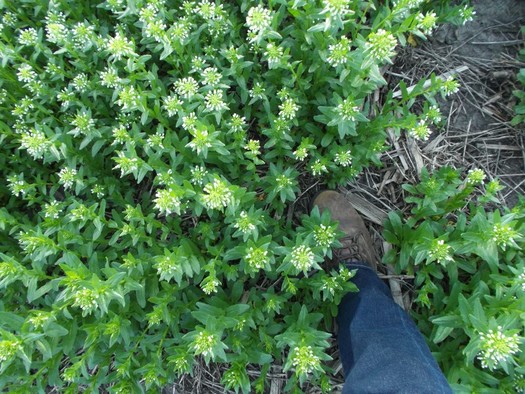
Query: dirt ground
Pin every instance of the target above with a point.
(477, 134)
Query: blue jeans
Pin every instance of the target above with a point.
(381, 349)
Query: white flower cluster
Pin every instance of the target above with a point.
(86, 299)
(343, 158)
(67, 177)
(288, 109)
(204, 343)
(244, 223)
(426, 22)
(521, 280)
(257, 258)
(302, 257)
(337, 7)
(259, 19)
(167, 201)
(347, 110)
(503, 234)
(218, 194)
(338, 53)
(497, 347)
(324, 235)
(304, 360)
(28, 36)
(210, 285)
(8, 349)
(439, 251)
(120, 46)
(214, 101)
(35, 142)
(420, 131)
(381, 45)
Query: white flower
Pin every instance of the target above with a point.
(253, 147)
(210, 76)
(521, 280)
(302, 257)
(109, 78)
(337, 7)
(274, 54)
(467, 14)
(218, 195)
(126, 164)
(237, 123)
(35, 142)
(434, 114)
(300, 153)
(56, 30)
(26, 73)
(476, 176)
(198, 174)
(427, 22)
(167, 201)
(186, 87)
(318, 167)
(259, 19)
(83, 35)
(204, 343)
(497, 348)
(288, 109)
(343, 158)
(83, 123)
(179, 31)
(67, 177)
(257, 92)
(121, 135)
(214, 101)
(201, 140)
(172, 104)
(304, 360)
(257, 258)
(86, 299)
(440, 251)
(503, 234)
(120, 46)
(450, 86)
(80, 83)
(381, 45)
(156, 140)
(324, 235)
(420, 131)
(210, 286)
(128, 98)
(244, 223)
(347, 110)
(28, 36)
(52, 210)
(339, 52)
(189, 122)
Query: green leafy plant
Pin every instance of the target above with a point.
(469, 271)
(519, 108)
(152, 152)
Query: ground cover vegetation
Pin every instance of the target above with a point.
(469, 270)
(152, 152)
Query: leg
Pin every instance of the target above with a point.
(381, 349)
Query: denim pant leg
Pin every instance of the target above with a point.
(381, 349)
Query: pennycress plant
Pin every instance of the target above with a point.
(151, 153)
(470, 275)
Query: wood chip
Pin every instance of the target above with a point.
(366, 208)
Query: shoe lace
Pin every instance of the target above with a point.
(353, 250)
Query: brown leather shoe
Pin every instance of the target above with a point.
(357, 244)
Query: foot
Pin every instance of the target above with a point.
(357, 244)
